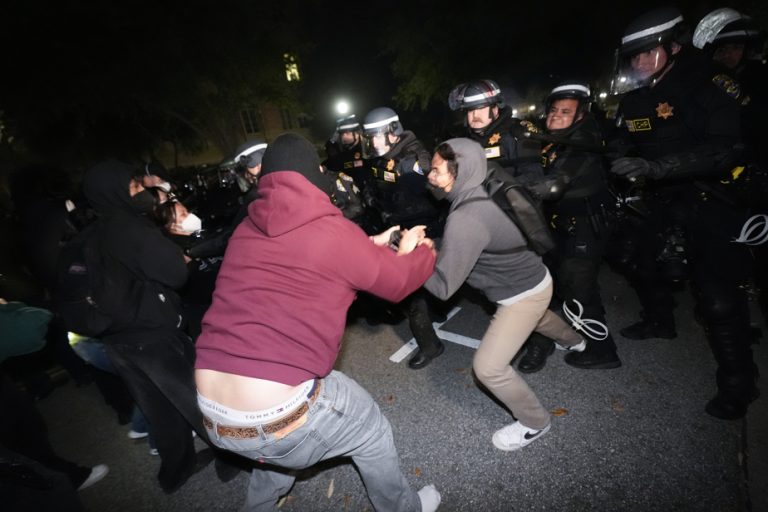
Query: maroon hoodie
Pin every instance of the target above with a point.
(290, 273)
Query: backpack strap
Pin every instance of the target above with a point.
(508, 251)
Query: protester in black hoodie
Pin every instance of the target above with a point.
(151, 354)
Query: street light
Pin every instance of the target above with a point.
(532, 108)
(342, 107)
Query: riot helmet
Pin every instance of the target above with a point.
(476, 94)
(728, 36)
(473, 98)
(381, 130)
(566, 104)
(248, 159)
(348, 131)
(647, 48)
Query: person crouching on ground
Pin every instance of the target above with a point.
(264, 364)
(483, 247)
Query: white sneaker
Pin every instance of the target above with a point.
(573, 348)
(430, 498)
(516, 436)
(97, 473)
(132, 434)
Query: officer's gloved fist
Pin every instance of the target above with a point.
(633, 167)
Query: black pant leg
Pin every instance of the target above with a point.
(159, 376)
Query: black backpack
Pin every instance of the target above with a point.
(94, 296)
(517, 202)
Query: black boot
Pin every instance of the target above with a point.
(646, 329)
(423, 357)
(599, 355)
(536, 353)
(420, 322)
(726, 406)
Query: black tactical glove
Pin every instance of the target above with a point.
(633, 167)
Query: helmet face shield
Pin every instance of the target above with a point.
(347, 132)
(646, 48)
(566, 104)
(636, 70)
(249, 154)
(729, 36)
(376, 142)
(479, 118)
(348, 138)
(379, 127)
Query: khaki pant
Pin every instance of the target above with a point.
(510, 327)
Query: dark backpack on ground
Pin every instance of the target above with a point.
(517, 202)
(95, 296)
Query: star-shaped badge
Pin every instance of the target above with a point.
(664, 110)
(496, 137)
(390, 164)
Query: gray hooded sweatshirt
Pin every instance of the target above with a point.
(481, 245)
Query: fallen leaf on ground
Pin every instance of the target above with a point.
(617, 406)
(417, 471)
(389, 399)
(559, 411)
(330, 488)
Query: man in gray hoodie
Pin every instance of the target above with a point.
(483, 247)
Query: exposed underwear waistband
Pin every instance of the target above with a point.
(238, 417)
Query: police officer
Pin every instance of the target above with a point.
(735, 43)
(248, 165)
(489, 122)
(344, 150)
(248, 162)
(576, 200)
(345, 162)
(399, 164)
(683, 133)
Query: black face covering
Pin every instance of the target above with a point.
(437, 192)
(143, 202)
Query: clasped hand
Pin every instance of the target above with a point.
(409, 240)
(633, 167)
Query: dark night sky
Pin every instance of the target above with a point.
(87, 58)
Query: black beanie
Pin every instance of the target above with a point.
(292, 152)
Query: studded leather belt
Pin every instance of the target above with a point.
(268, 428)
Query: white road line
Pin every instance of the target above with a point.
(458, 339)
(409, 347)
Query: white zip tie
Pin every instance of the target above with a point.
(583, 324)
(747, 235)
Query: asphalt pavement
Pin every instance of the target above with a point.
(634, 438)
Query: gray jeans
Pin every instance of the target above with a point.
(344, 421)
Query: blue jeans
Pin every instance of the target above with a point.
(343, 421)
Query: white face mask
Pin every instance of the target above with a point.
(164, 186)
(191, 223)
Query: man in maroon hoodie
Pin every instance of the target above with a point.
(264, 370)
